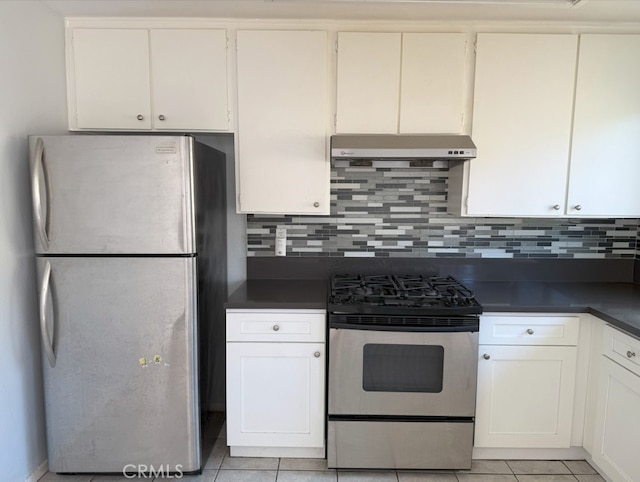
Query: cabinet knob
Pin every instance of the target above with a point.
(530, 331)
(140, 117)
(276, 327)
(316, 204)
(631, 354)
(161, 117)
(317, 354)
(577, 207)
(556, 207)
(486, 356)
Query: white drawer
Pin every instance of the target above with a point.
(523, 329)
(621, 348)
(276, 325)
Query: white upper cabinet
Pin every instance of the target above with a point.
(368, 82)
(523, 104)
(400, 82)
(189, 79)
(283, 79)
(110, 79)
(605, 159)
(432, 85)
(141, 79)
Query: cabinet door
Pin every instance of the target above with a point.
(605, 157)
(368, 82)
(432, 86)
(111, 78)
(282, 122)
(525, 396)
(189, 79)
(275, 394)
(617, 423)
(523, 104)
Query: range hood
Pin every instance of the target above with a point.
(402, 147)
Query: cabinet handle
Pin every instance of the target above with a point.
(140, 117)
(631, 354)
(316, 204)
(276, 327)
(530, 331)
(161, 117)
(556, 207)
(317, 354)
(486, 356)
(577, 207)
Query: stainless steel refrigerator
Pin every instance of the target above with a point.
(130, 237)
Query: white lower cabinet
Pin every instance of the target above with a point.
(617, 417)
(526, 381)
(276, 383)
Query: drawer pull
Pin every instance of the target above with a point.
(317, 354)
(530, 331)
(486, 356)
(276, 327)
(631, 354)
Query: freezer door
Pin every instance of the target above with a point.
(120, 363)
(99, 194)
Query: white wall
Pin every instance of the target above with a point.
(32, 100)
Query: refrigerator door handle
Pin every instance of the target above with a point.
(44, 291)
(38, 165)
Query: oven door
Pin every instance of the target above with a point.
(397, 373)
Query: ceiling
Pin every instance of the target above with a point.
(592, 11)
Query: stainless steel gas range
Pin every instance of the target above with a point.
(403, 354)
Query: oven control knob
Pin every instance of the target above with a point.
(317, 354)
(276, 327)
(486, 356)
(530, 331)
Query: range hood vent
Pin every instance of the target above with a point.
(413, 149)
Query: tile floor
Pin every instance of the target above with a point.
(220, 467)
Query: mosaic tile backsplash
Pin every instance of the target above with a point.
(385, 212)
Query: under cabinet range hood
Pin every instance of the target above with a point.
(393, 148)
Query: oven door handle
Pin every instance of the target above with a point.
(404, 328)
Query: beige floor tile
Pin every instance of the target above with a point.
(547, 478)
(589, 478)
(580, 467)
(486, 477)
(51, 477)
(205, 476)
(538, 467)
(426, 477)
(303, 464)
(250, 463)
(488, 467)
(307, 476)
(216, 455)
(246, 476)
(367, 476)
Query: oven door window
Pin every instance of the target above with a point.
(402, 368)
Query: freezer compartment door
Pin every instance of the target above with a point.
(97, 194)
(120, 363)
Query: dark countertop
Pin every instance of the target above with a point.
(280, 293)
(616, 303)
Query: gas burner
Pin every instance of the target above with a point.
(406, 293)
